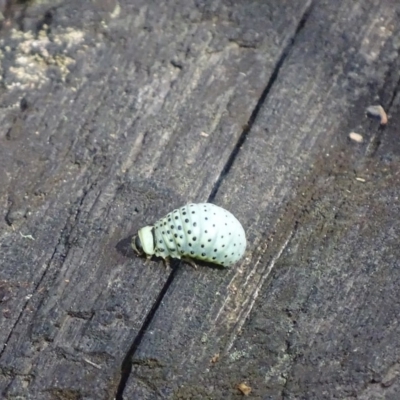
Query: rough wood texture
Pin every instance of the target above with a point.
(115, 113)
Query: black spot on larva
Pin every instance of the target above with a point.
(172, 227)
(179, 245)
(226, 256)
(234, 244)
(176, 217)
(206, 218)
(184, 213)
(203, 254)
(194, 238)
(226, 224)
(232, 254)
(181, 236)
(214, 225)
(209, 240)
(160, 241)
(202, 246)
(222, 263)
(223, 245)
(168, 232)
(194, 223)
(205, 231)
(192, 252)
(176, 235)
(172, 250)
(190, 244)
(169, 219)
(165, 223)
(214, 258)
(193, 212)
(189, 232)
(163, 232)
(186, 220)
(179, 227)
(222, 237)
(215, 250)
(230, 233)
(161, 250)
(171, 240)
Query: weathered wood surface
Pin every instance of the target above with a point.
(113, 114)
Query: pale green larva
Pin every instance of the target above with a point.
(200, 231)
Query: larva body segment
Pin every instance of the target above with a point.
(200, 231)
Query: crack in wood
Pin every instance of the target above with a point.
(261, 100)
(126, 366)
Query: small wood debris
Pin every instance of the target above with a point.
(215, 358)
(92, 363)
(389, 382)
(377, 112)
(244, 388)
(204, 134)
(233, 288)
(27, 236)
(360, 179)
(356, 137)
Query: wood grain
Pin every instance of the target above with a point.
(102, 114)
(311, 312)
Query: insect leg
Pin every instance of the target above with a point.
(190, 261)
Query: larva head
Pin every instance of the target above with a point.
(143, 242)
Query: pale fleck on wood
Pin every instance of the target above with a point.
(244, 389)
(92, 363)
(215, 358)
(356, 137)
(27, 236)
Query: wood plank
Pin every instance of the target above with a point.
(302, 316)
(103, 114)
